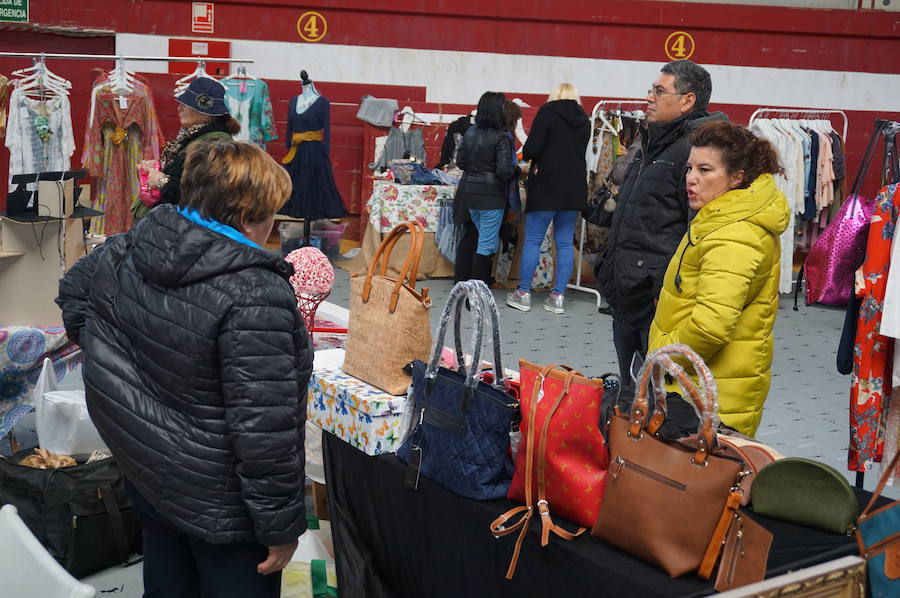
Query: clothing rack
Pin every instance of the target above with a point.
(798, 113)
(601, 105)
(43, 55)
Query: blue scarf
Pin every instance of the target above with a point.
(223, 229)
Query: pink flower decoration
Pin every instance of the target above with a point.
(313, 273)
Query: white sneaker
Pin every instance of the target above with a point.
(555, 303)
(520, 300)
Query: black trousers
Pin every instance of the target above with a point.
(179, 566)
(629, 339)
(465, 252)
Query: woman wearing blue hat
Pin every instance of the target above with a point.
(203, 115)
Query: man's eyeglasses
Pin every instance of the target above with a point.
(658, 92)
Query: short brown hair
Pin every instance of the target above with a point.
(741, 150)
(511, 114)
(233, 182)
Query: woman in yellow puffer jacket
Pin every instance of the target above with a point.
(720, 292)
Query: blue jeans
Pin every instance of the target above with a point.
(488, 224)
(563, 232)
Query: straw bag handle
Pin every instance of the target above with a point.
(658, 364)
(410, 267)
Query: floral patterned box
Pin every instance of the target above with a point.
(366, 417)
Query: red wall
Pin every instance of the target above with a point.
(833, 40)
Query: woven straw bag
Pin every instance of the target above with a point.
(389, 326)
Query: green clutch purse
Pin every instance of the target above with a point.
(805, 492)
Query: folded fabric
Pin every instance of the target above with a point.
(377, 111)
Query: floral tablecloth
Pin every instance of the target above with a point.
(390, 204)
(22, 353)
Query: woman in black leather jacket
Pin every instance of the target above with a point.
(486, 160)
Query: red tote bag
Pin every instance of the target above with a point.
(562, 459)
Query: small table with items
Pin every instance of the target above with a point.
(391, 541)
(392, 204)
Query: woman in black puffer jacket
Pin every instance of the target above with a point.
(485, 157)
(197, 365)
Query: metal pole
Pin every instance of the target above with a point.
(122, 57)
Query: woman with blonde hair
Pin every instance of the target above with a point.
(196, 368)
(556, 191)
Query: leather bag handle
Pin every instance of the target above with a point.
(410, 267)
(881, 484)
(526, 512)
(658, 364)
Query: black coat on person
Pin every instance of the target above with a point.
(485, 157)
(651, 217)
(556, 147)
(196, 372)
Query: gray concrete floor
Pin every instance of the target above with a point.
(806, 413)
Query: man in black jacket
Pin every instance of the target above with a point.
(197, 365)
(652, 213)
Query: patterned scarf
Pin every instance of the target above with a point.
(185, 134)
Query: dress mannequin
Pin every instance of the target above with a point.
(314, 195)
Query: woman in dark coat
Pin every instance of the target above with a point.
(556, 192)
(202, 114)
(196, 369)
(485, 157)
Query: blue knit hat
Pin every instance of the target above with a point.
(206, 96)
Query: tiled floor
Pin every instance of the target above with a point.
(806, 412)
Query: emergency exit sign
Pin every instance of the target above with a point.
(14, 11)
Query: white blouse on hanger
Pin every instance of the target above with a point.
(39, 135)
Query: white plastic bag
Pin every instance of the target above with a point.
(63, 424)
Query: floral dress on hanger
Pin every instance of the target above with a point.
(872, 353)
(119, 134)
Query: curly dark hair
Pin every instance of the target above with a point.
(741, 150)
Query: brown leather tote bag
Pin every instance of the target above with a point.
(668, 502)
(389, 326)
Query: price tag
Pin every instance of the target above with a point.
(123, 102)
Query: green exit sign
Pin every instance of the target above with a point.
(15, 11)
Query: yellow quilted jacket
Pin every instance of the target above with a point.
(720, 295)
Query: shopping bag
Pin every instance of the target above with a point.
(311, 572)
(461, 435)
(562, 469)
(389, 324)
(63, 423)
(878, 536)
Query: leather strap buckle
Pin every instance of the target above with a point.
(543, 507)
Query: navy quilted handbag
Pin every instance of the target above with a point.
(461, 439)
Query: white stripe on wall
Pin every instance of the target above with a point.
(461, 77)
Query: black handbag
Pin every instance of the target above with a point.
(81, 514)
(600, 206)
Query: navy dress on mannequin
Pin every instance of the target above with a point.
(314, 195)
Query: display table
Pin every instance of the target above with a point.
(391, 204)
(391, 541)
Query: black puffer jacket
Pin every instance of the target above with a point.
(197, 365)
(485, 157)
(556, 147)
(650, 219)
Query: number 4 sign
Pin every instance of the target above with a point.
(312, 26)
(679, 45)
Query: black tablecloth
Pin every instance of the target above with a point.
(394, 542)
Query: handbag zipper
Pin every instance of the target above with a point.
(623, 464)
(737, 551)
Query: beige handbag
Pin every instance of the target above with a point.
(389, 324)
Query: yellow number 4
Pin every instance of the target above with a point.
(678, 49)
(312, 27)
